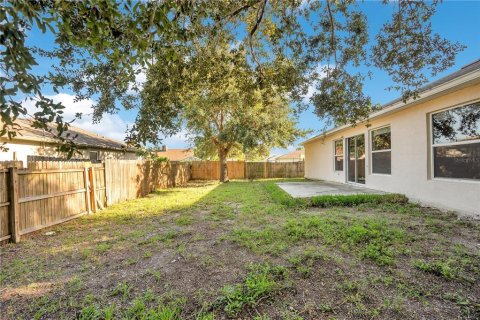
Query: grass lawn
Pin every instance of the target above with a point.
(245, 250)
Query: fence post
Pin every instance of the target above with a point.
(107, 188)
(14, 213)
(87, 189)
(92, 183)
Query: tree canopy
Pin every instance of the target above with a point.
(212, 91)
(286, 45)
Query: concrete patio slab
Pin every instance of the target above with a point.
(309, 189)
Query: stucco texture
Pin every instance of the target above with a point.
(410, 157)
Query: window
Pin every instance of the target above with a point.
(381, 151)
(93, 156)
(338, 155)
(456, 142)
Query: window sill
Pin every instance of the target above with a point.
(456, 180)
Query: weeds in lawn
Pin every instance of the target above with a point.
(304, 262)
(445, 269)
(184, 221)
(123, 289)
(103, 247)
(268, 240)
(261, 282)
(205, 316)
(373, 238)
(156, 274)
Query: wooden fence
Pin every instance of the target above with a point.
(50, 192)
(130, 179)
(210, 170)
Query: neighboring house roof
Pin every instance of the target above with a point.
(297, 154)
(83, 138)
(272, 157)
(177, 154)
(467, 75)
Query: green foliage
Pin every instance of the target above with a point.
(304, 262)
(100, 42)
(246, 59)
(123, 290)
(356, 199)
(417, 48)
(212, 90)
(184, 220)
(446, 269)
(262, 281)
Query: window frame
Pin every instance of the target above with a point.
(90, 153)
(335, 155)
(370, 142)
(432, 145)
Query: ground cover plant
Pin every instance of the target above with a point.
(246, 250)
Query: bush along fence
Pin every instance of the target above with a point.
(51, 192)
(210, 170)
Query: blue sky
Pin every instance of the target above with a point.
(455, 20)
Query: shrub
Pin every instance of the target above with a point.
(352, 200)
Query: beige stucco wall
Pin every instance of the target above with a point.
(23, 149)
(410, 157)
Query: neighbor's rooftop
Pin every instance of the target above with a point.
(83, 137)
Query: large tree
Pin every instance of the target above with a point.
(213, 92)
(102, 44)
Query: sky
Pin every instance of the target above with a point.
(454, 20)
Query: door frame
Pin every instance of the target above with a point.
(347, 158)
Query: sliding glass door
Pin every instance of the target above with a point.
(356, 159)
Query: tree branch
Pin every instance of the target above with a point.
(260, 12)
(332, 34)
(242, 8)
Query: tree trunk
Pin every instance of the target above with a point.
(223, 166)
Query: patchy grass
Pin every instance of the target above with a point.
(261, 282)
(372, 238)
(247, 250)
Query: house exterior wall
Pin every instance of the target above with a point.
(22, 149)
(410, 157)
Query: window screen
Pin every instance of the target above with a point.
(339, 155)
(381, 151)
(456, 142)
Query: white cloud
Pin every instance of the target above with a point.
(111, 125)
(179, 140)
